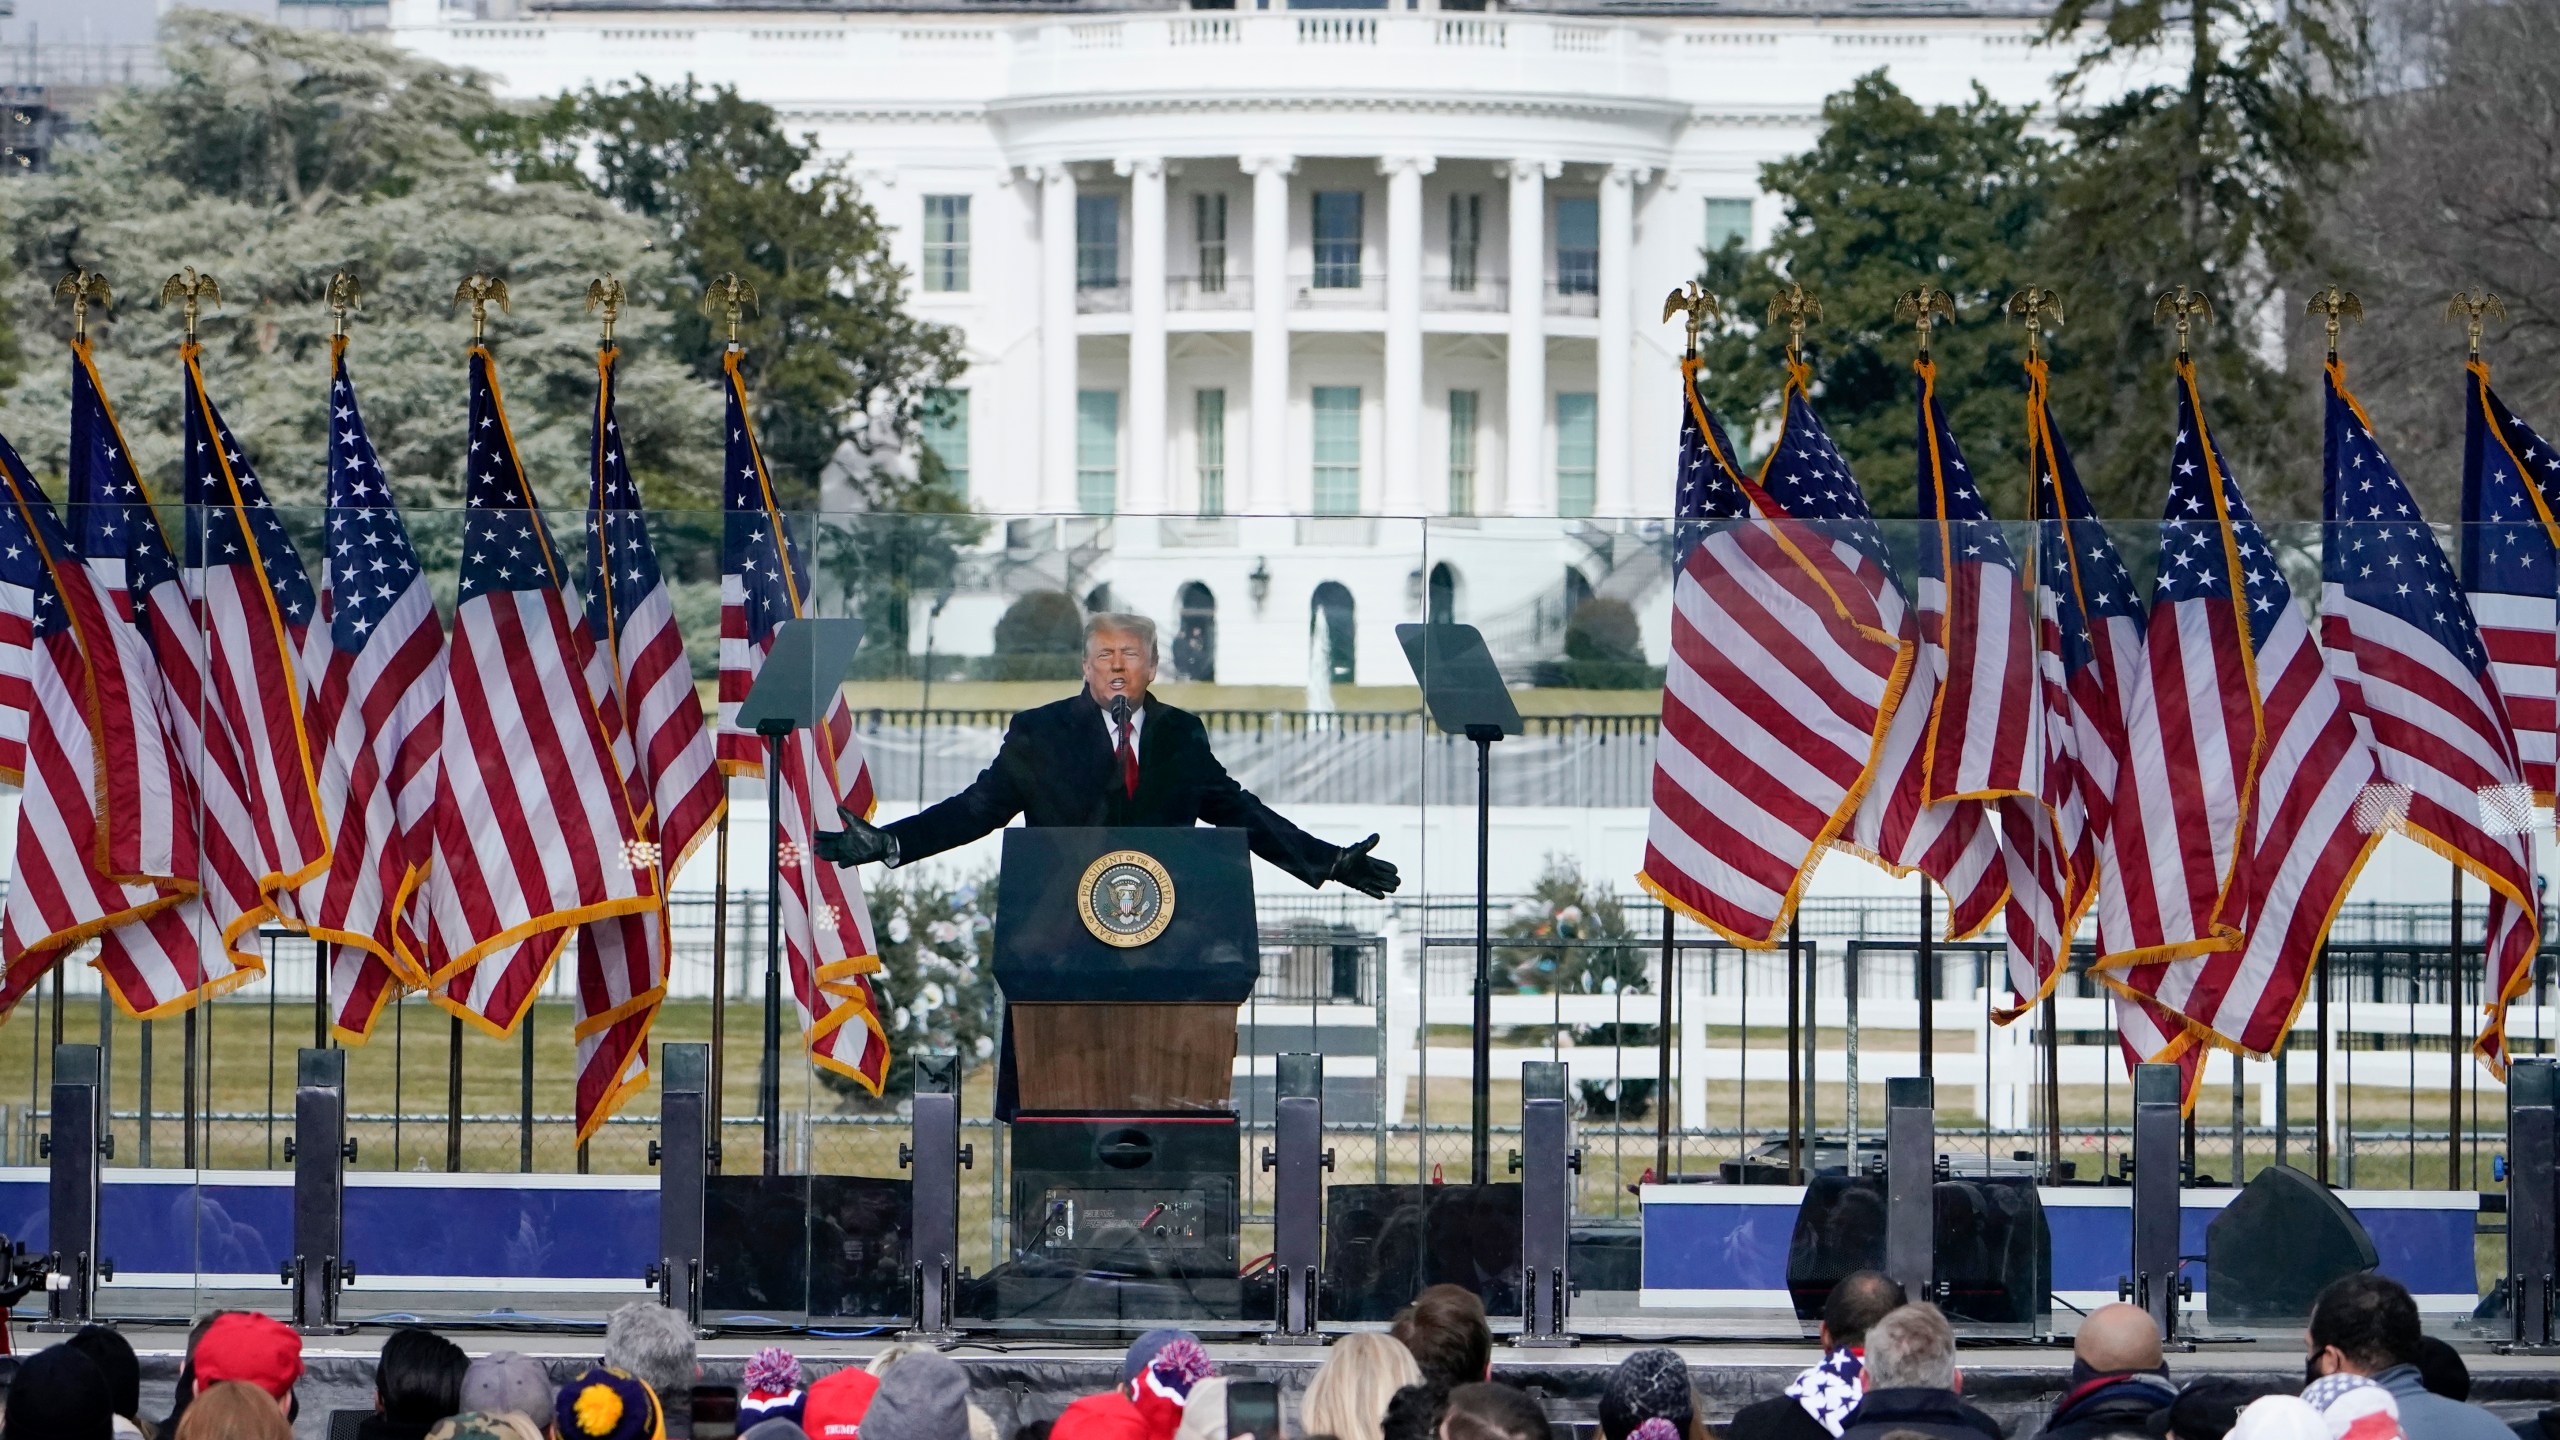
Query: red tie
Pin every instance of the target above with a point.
(1128, 762)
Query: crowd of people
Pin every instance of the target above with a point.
(1887, 1371)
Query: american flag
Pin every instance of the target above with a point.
(640, 668)
(1779, 687)
(534, 828)
(144, 808)
(2511, 565)
(206, 944)
(827, 946)
(2088, 650)
(253, 604)
(2413, 669)
(1955, 842)
(58, 898)
(376, 719)
(1985, 742)
(2303, 839)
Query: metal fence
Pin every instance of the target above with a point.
(1758, 1049)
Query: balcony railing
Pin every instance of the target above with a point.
(1102, 299)
(1367, 291)
(1573, 297)
(1481, 293)
(1196, 292)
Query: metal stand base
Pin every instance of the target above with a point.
(1546, 1162)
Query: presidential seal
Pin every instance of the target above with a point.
(1126, 898)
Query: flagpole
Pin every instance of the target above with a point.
(1662, 1054)
(2454, 1046)
(1928, 983)
(719, 979)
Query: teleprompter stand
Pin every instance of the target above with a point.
(801, 678)
(1463, 689)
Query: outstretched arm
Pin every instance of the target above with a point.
(987, 803)
(1224, 802)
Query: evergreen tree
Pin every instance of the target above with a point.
(1893, 196)
(2207, 176)
(276, 156)
(836, 367)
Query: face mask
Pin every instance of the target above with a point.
(2311, 1371)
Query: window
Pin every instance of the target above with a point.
(945, 431)
(1466, 233)
(1578, 246)
(1332, 613)
(1097, 451)
(1462, 452)
(1728, 221)
(1337, 449)
(1097, 242)
(1337, 239)
(1209, 443)
(1209, 228)
(1577, 453)
(946, 242)
(1195, 635)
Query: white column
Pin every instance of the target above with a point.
(1525, 488)
(1612, 455)
(1267, 482)
(1145, 492)
(1057, 339)
(1402, 493)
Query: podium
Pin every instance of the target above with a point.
(1123, 954)
(1138, 1022)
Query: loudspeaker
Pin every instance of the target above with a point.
(2272, 1249)
(1148, 1196)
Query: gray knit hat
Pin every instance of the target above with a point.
(923, 1397)
(1648, 1385)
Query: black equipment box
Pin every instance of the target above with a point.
(1994, 1253)
(1385, 1244)
(1135, 1194)
(821, 1245)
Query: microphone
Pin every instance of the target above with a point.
(1120, 711)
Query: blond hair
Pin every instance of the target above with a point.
(1348, 1397)
(234, 1410)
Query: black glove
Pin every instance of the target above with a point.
(859, 843)
(1364, 872)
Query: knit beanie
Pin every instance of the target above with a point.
(1142, 1351)
(59, 1394)
(605, 1404)
(923, 1397)
(773, 1387)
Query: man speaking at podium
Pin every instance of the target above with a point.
(1109, 755)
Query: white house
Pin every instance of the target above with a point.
(1392, 273)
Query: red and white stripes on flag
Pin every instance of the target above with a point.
(376, 719)
(1780, 682)
(205, 945)
(641, 679)
(58, 897)
(2412, 666)
(2224, 608)
(254, 605)
(1959, 736)
(828, 950)
(534, 828)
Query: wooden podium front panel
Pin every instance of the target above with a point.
(1124, 1056)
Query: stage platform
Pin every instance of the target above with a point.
(1020, 1382)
